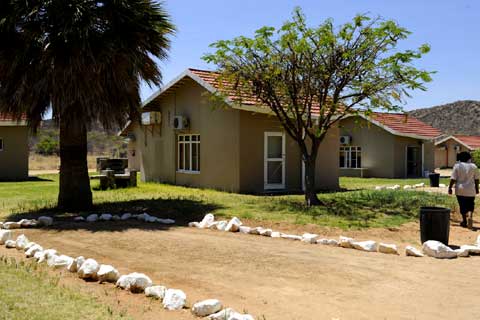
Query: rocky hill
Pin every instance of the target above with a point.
(460, 117)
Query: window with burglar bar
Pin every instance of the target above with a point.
(188, 148)
(350, 157)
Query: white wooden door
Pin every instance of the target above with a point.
(274, 164)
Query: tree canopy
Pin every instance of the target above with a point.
(312, 77)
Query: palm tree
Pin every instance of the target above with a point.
(84, 60)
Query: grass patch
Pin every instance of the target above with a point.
(360, 207)
(28, 292)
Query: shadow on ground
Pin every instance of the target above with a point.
(182, 211)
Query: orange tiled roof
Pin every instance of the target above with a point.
(405, 124)
(8, 117)
(471, 141)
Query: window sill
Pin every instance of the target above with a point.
(188, 172)
(352, 168)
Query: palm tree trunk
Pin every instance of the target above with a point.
(75, 193)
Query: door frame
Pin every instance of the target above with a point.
(266, 185)
(420, 160)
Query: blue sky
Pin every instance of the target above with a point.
(451, 27)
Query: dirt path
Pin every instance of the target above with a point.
(280, 279)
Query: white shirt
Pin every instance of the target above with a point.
(465, 174)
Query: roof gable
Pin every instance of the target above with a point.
(469, 142)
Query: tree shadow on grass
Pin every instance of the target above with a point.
(182, 211)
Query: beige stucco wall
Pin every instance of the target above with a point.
(14, 157)
(252, 158)
(377, 148)
(441, 154)
(218, 129)
(383, 154)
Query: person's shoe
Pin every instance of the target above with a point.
(463, 224)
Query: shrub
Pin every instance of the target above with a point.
(47, 146)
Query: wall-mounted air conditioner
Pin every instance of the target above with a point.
(345, 139)
(151, 118)
(457, 148)
(180, 123)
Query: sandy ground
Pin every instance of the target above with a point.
(275, 278)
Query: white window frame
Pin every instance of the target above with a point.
(1, 144)
(271, 186)
(187, 144)
(347, 150)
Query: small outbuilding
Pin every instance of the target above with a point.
(386, 145)
(13, 149)
(187, 138)
(447, 149)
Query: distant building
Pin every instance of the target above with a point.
(386, 145)
(447, 149)
(13, 149)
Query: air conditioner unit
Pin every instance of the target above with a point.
(345, 139)
(131, 137)
(180, 123)
(151, 118)
(457, 148)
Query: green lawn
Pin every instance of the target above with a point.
(29, 292)
(357, 207)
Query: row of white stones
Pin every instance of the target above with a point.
(42, 221)
(406, 187)
(126, 216)
(430, 248)
(172, 299)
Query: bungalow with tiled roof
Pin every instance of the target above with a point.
(386, 145)
(447, 149)
(185, 138)
(13, 148)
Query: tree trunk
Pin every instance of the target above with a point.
(311, 198)
(75, 193)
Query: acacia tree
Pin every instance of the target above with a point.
(312, 77)
(84, 59)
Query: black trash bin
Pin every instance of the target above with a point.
(434, 180)
(434, 224)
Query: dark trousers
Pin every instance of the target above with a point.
(467, 204)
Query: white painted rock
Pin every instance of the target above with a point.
(105, 217)
(474, 250)
(72, 266)
(309, 238)
(387, 248)
(79, 261)
(126, 216)
(207, 221)
(436, 249)
(46, 254)
(5, 235)
(11, 225)
(255, 230)
(89, 269)
(79, 219)
(61, 261)
(244, 229)
(413, 252)
(10, 244)
(51, 259)
(29, 245)
(206, 307)
(266, 232)
(165, 221)
(157, 292)
(28, 223)
(419, 185)
(441, 185)
(290, 237)
(116, 217)
(45, 221)
(107, 273)
(33, 250)
(174, 299)
(150, 219)
(135, 282)
(345, 242)
(407, 187)
(462, 252)
(22, 242)
(92, 218)
(194, 224)
(212, 226)
(276, 234)
(221, 225)
(239, 316)
(378, 188)
(369, 246)
(233, 225)
(395, 187)
(38, 255)
(222, 315)
(143, 216)
(478, 241)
